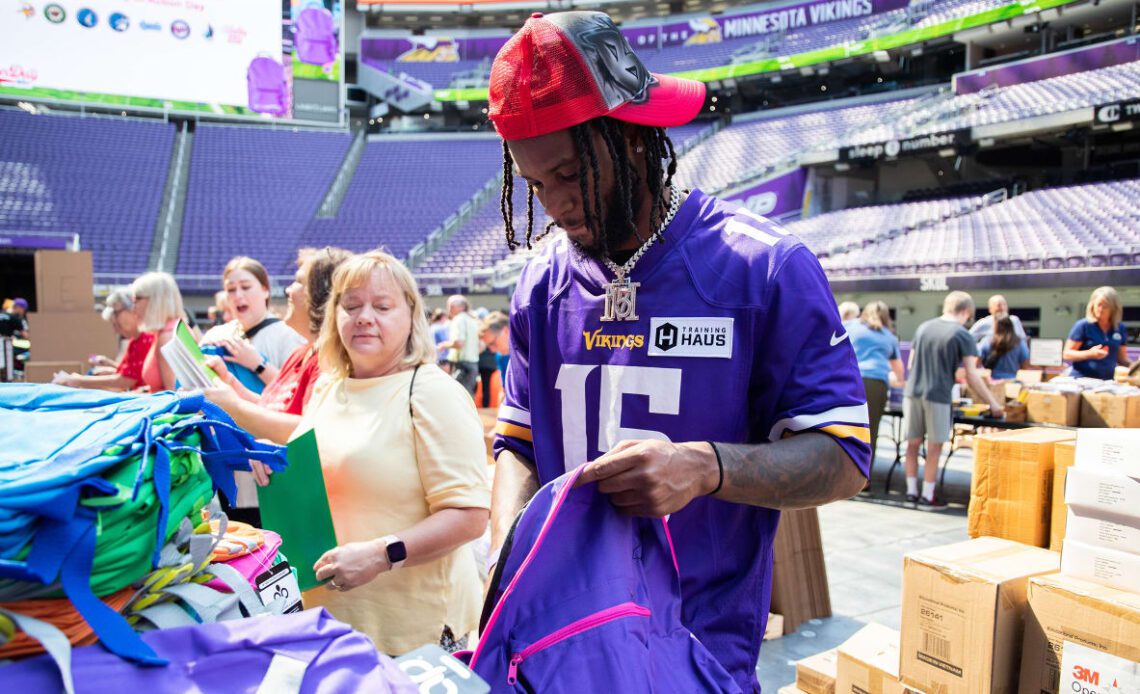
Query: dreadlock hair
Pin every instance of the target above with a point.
(660, 166)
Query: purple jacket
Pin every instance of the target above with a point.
(589, 600)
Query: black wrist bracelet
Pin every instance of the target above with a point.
(719, 468)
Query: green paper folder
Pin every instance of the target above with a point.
(295, 505)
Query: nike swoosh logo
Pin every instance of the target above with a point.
(837, 339)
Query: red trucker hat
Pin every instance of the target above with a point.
(566, 68)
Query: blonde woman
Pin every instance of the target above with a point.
(880, 364)
(158, 306)
(1097, 342)
(402, 452)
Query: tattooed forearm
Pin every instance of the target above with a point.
(797, 472)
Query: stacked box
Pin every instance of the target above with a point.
(1063, 454)
(963, 607)
(815, 674)
(1117, 409)
(1061, 407)
(1011, 490)
(868, 662)
(1069, 617)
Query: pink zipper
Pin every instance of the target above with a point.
(550, 516)
(626, 609)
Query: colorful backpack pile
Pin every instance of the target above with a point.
(112, 534)
(109, 523)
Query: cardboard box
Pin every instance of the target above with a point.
(996, 389)
(43, 371)
(774, 627)
(1063, 455)
(64, 281)
(1015, 412)
(1102, 492)
(1109, 567)
(1029, 376)
(1013, 390)
(790, 689)
(815, 674)
(70, 336)
(962, 611)
(1113, 533)
(1064, 610)
(868, 662)
(1110, 410)
(799, 575)
(1118, 449)
(1050, 407)
(1011, 490)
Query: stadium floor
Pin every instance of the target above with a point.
(864, 541)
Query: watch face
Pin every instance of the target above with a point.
(397, 552)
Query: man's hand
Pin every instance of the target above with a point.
(654, 478)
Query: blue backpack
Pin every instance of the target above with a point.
(57, 446)
(587, 599)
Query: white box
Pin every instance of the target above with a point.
(1090, 529)
(1100, 491)
(1108, 567)
(1118, 449)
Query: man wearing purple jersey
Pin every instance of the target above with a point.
(688, 351)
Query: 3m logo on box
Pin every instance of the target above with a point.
(690, 337)
(1088, 671)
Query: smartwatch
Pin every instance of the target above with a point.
(396, 551)
(260, 368)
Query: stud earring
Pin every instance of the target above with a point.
(639, 149)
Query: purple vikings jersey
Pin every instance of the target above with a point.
(737, 340)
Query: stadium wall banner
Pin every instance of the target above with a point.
(759, 23)
(829, 54)
(1118, 112)
(59, 242)
(1056, 65)
(892, 149)
(700, 31)
(775, 197)
(430, 49)
(279, 59)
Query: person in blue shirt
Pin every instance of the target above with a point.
(1003, 352)
(880, 364)
(1096, 343)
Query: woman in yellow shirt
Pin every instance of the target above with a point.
(404, 462)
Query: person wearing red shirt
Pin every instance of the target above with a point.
(128, 372)
(275, 413)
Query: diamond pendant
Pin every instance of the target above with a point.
(621, 301)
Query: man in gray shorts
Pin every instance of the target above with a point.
(940, 346)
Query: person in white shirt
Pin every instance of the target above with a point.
(463, 342)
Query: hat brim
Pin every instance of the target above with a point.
(672, 101)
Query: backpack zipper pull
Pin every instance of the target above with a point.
(513, 670)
